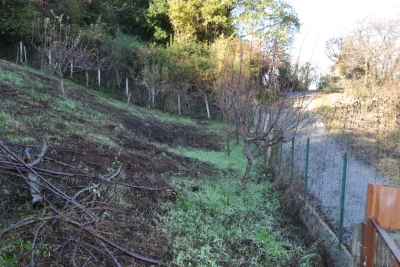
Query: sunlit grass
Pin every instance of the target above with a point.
(218, 221)
(235, 161)
(215, 223)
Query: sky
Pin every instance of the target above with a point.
(323, 19)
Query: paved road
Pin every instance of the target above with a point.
(325, 171)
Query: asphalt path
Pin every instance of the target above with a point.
(325, 171)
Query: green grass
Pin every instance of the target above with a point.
(10, 251)
(219, 222)
(215, 223)
(235, 161)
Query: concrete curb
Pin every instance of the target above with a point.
(320, 231)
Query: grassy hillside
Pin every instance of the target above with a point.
(124, 186)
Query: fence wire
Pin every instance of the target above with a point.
(368, 132)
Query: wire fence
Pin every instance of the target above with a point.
(336, 164)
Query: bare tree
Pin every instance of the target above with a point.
(369, 54)
(152, 76)
(261, 116)
(59, 45)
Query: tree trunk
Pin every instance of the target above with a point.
(26, 61)
(21, 50)
(62, 87)
(153, 97)
(149, 99)
(366, 69)
(250, 158)
(72, 68)
(128, 100)
(237, 132)
(228, 140)
(266, 131)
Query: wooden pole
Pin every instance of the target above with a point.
(21, 50)
(98, 76)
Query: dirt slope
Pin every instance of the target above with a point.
(88, 139)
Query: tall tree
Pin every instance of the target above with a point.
(275, 20)
(258, 114)
(205, 20)
(369, 55)
(158, 20)
(16, 18)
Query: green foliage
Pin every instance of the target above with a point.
(203, 20)
(15, 24)
(5, 120)
(270, 20)
(124, 55)
(287, 77)
(73, 9)
(132, 18)
(158, 20)
(234, 161)
(328, 81)
(306, 76)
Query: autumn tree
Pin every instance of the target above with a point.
(203, 20)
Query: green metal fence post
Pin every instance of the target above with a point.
(292, 162)
(306, 173)
(342, 200)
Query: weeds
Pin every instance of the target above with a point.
(215, 223)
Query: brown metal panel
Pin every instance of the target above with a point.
(383, 203)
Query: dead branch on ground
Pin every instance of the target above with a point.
(76, 215)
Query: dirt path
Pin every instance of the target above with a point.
(326, 169)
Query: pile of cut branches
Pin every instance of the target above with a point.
(74, 219)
